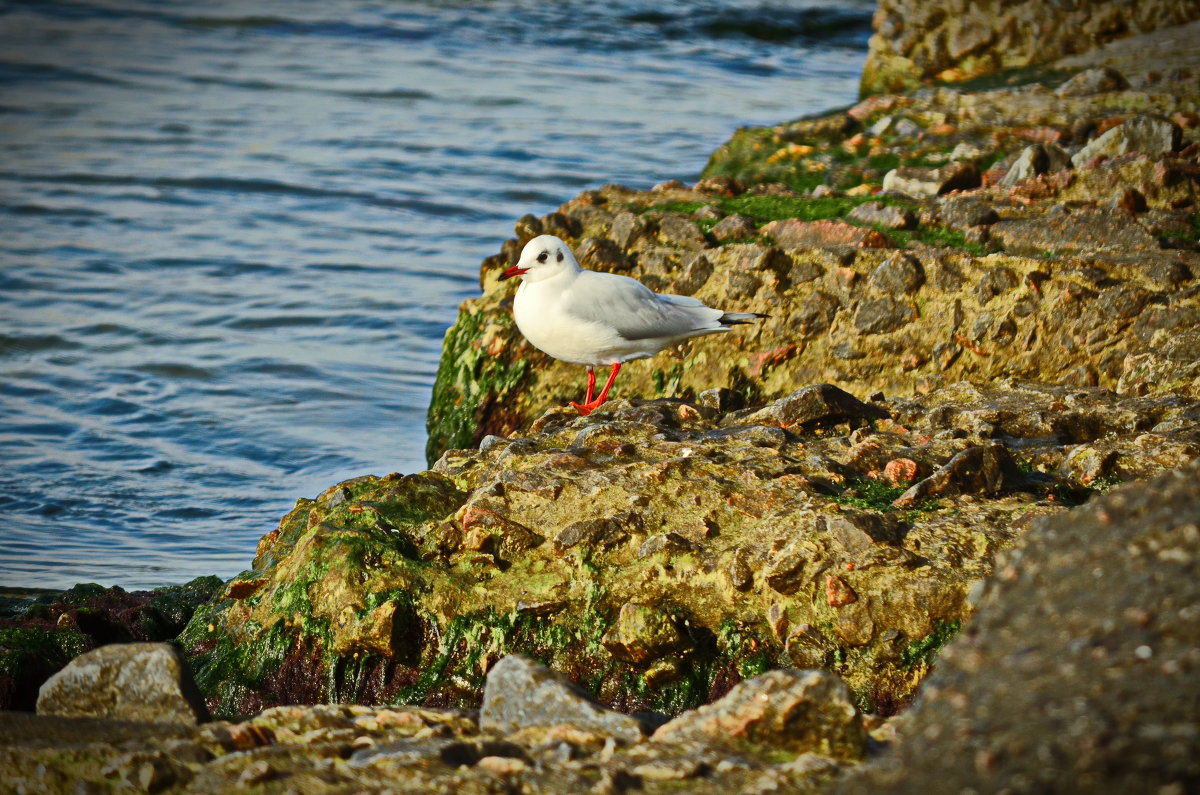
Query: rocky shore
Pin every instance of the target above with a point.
(932, 524)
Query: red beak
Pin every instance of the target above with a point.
(511, 272)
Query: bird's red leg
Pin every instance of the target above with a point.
(591, 384)
(591, 405)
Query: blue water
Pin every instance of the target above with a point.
(234, 233)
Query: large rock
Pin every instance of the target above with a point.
(521, 693)
(954, 40)
(146, 682)
(1083, 653)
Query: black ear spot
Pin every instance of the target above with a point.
(560, 255)
(543, 255)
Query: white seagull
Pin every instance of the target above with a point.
(593, 318)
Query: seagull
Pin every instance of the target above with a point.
(596, 319)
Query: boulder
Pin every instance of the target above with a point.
(146, 682)
(521, 693)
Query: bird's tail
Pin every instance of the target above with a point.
(737, 318)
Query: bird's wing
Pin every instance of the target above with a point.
(633, 310)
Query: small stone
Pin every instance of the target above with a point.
(920, 182)
(897, 275)
(838, 592)
(883, 315)
(735, 227)
(664, 542)
(147, 682)
(1031, 162)
(879, 214)
(900, 471)
(521, 693)
(1093, 81)
(792, 711)
(961, 213)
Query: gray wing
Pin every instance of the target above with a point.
(636, 312)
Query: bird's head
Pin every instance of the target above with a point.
(542, 257)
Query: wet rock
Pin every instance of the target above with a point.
(147, 682)
(521, 693)
(642, 633)
(794, 233)
(1145, 134)
(1093, 81)
(789, 711)
(919, 182)
(879, 214)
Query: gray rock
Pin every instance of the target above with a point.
(146, 682)
(879, 214)
(881, 315)
(1031, 162)
(897, 275)
(920, 182)
(1146, 134)
(521, 693)
(1093, 81)
(983, 469)
(784, 710)
(964, 214)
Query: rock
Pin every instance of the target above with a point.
(735, 227)
(918, 182)
(794, 233)
(898, 275)
(878, 214)
(822, 403)
(1145, 134)
(147, 682)
(1031, 162)
(881, 315)
(1083, 230)
(958, 213)
(520, 693)
(1090, 620)
(642, 634)
(1093, 81)
(983, 469)
(783, 711)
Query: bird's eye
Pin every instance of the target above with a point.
(560, 256)
(543, 255)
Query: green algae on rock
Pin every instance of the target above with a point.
(659, 552)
